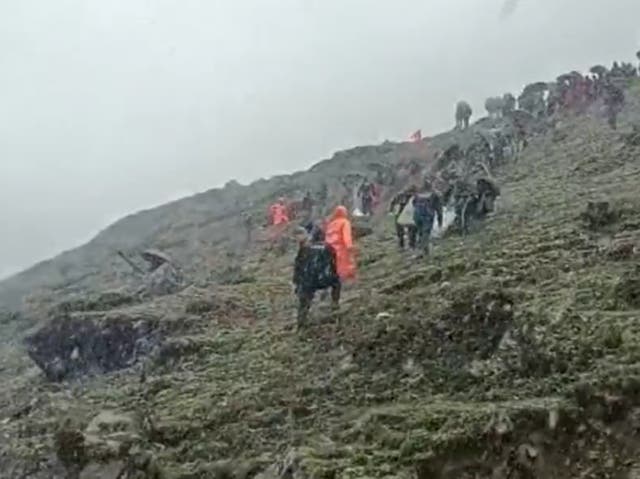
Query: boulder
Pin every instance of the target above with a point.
(163, 280)
(70, 346)
(598, 214)
(111, 447)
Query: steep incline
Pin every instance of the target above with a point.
(511, 353)
(195, 230)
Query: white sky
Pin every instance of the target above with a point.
(107, 107)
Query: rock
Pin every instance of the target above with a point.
(634, 473)
(598, 214)
(527, 457)
(113, 448)
(70, 346)
(7, 317)
(621, 250)
(175, 348)
(163, 280)
(70, 447)
(200, 306)
(499, 425)
(110, 421)
(626, 291)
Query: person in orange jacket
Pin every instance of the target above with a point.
(338, 236)
(278, 212)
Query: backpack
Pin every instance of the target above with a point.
(320, 270)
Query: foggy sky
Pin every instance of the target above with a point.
(107, 107)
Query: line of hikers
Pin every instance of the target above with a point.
(326, 252)
(326, 256)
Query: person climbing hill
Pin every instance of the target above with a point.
(278, 213)
(365, 194)
(339, 237)
(278, 222)
(402, 209)
(427, 208)
(315, 269)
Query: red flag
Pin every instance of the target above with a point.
(417, 136)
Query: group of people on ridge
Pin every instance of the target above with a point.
(325, 257)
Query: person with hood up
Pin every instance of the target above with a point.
(365, 193)
(278, 221)
(427, 206)
(339, 237)
(278, 212)
(315, 269)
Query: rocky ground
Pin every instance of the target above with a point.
(511, 353)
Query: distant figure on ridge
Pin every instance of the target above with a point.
(247, 222)
(463, 115)
(614, 101)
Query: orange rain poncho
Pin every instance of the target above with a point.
(338, 236)
(278, 213)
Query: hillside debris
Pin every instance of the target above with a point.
(110, 447)
(598, 214)
(162, 276)
(627, 289)
(74, 345)
(633, 137)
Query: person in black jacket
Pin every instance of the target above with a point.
(314, 270)
(614, 101)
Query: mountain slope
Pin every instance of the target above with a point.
(194, 228)
(512, 352)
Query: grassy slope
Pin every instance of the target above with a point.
(414, 391)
